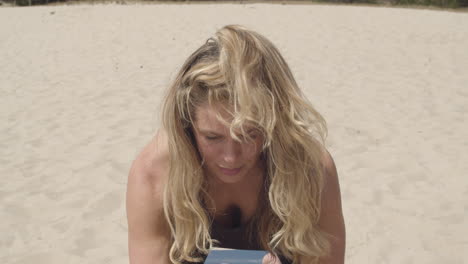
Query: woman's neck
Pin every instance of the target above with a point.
(253, 182)
(242, 194)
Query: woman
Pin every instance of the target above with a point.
(239, 163)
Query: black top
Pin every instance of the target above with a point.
(235, 238)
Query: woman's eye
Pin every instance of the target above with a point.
(211, 138)
(252, 136)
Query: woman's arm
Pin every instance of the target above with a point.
(148, 233)
(331, 217)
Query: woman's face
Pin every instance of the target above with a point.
(225, 158)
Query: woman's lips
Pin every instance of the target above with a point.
(230, 171)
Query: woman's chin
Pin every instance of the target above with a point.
(229, 176)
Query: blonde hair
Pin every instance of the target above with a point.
(243, 69)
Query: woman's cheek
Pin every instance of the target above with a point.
(210, 150)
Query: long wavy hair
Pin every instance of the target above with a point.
(241, 68)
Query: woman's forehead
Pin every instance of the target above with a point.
(217, 118)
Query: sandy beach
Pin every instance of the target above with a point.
(81, 87)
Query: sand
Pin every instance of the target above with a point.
(80, 94)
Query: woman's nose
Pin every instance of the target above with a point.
(232, 151)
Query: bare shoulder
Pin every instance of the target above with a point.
(328, 164)
(331, 191)
(154, 158)
(148, 172)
